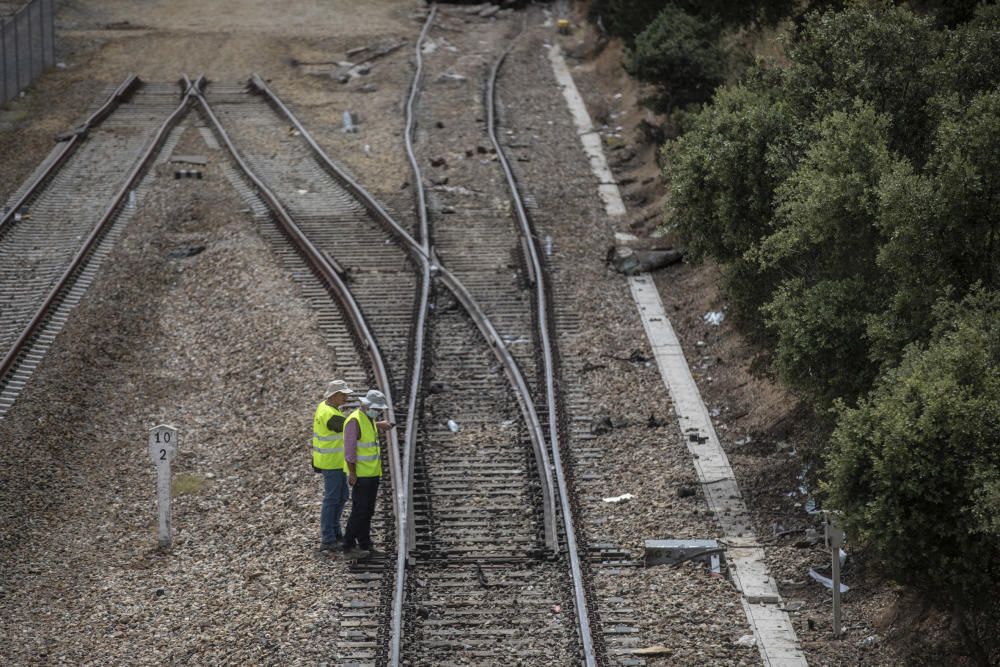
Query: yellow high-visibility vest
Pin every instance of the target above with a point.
(369, 462)
(327, 445)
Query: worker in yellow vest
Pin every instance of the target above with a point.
(328, 459)
(363, 463)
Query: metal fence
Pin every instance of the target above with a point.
(27, 46)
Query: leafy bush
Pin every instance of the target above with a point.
(724, 172)
(626, 18)
(941, 226)
(915, 467)
(872, 51)
(680, 54)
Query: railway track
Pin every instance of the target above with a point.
(62, 223)
(483, 565)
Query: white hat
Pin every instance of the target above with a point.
(375, 399)
(337, 387)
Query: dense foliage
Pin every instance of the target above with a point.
(853, 199)
(681, 55)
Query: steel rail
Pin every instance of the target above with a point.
(548, 361)
(70, 142)
(404, 546)
(328, 272)
(99, 229)
(410, 446)
(482, 321)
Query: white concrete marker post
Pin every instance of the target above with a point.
(162, 447)
(835, 536)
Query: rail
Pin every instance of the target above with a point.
(99, 229)
(70, 142)
(529, 244)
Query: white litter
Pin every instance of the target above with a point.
(619, 499)
(349, 125)
(548, 246)
(746, 641)
(826, 581)
(453, 426)
(302, 192)
(714, 318)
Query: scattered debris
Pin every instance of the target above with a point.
(185, 251)
(794, 605)
(367, 88)
(350, 122)
(677, 552)
(685, 492)
(659, 649)
(453, 426)
(602, 426)
(451, 76)
(746, 641)
(640, 256)
(619, 499)
(439, 162)
(556, 608)
(868, 642)
(200, 160)
(826, 581)
(548, 245)
(714, 318)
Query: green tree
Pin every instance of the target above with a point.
(942, 227)
(680, 54)
(914, 467)
(872, 51)
(825, 241)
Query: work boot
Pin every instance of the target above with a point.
(355, 553)
(331, 546)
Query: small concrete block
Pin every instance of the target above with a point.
(667, 552)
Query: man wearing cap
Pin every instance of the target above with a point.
(328, 459)
(363, 463)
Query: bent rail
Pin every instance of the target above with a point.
(530, 247)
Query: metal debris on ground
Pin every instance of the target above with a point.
(714, 318)
(350, 123)
(826, 581)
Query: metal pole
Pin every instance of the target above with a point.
(835, 537)
(17, 54)
(3, 62)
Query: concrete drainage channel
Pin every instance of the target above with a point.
(772, 628)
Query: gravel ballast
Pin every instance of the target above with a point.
(219, 345)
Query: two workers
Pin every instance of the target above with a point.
(346, 451)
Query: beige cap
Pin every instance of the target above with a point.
(337, 387)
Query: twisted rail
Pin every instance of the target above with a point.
(529, 244)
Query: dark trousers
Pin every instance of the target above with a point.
(359, 525)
